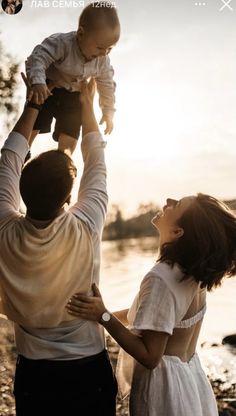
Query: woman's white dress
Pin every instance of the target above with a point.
(173, 388)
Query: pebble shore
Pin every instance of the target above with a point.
(225, 393)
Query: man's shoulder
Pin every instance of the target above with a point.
(10, 222)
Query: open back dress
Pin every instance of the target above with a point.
(174, 387)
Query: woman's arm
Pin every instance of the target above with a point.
(146, 348)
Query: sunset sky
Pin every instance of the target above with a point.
(175, 68)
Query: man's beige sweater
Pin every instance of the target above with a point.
(41, 268)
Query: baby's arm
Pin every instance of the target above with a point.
(52, 49)
(106, 90)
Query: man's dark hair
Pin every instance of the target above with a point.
(207, 249)
(97, 13)
(46, 183)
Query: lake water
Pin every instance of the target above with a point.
(125, 263)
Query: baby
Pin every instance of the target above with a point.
(64, 60)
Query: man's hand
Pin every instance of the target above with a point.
(88, 90)
(89, 122)
(25, 124)
(27, 84)
(109, 124)
(38, 93)
(29, 90)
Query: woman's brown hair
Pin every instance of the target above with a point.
(207, 249)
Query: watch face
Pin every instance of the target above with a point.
(106, 316)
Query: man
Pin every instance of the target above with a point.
(46, 257)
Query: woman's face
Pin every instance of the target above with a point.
(166, 221)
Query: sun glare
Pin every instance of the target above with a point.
(146, 126)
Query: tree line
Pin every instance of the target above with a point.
(117, 227)
(9, 102)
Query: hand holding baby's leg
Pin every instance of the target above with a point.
(39, 93)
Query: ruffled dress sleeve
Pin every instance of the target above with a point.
(156, 306)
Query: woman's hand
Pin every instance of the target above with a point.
(85, 307)
(147, 348)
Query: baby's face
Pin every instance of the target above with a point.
(97, 42)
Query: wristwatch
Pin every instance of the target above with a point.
(106, 316)
(30, 104)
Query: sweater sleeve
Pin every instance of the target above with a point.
(12, 159)
(92, 199)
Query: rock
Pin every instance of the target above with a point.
(233, 404)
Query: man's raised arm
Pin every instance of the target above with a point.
(92, 200)
(12, 159)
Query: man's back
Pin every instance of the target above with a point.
(43, 267)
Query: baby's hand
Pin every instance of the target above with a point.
(109, 124)
(39, 93)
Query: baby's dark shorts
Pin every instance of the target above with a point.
(65, 107)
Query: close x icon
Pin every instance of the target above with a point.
(226, 5)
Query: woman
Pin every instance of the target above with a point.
(197, 249)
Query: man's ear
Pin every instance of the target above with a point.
(177, 232)
(80, 32)
(68, 200)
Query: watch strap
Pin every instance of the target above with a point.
(30, 104)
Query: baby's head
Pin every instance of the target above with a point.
(99, 29)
